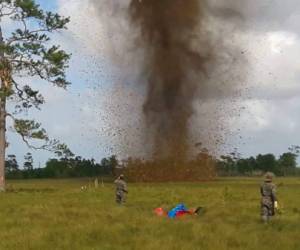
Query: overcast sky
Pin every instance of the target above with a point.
(89, 117)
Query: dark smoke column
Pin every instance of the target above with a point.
(174, 68)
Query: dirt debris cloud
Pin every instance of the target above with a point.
(169, 30)
(182, 55)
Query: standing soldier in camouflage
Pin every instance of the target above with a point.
(268, 199)
(121, 189)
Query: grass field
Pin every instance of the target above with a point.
(56, 214)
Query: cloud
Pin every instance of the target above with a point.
(275, 65)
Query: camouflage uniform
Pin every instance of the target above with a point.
(268, 193)
(121, 190)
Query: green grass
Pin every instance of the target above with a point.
(56, 214)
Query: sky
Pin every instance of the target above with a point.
(101, 108)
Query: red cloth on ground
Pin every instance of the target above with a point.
(182, 213)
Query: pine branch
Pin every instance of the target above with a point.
(29, 96)
(31, 130)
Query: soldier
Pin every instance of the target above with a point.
(268, 199)
(121, 189)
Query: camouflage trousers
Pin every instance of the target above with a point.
(120, 197)
(267, 209)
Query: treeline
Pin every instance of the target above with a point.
(206, 167)
(234, 165)
(203, 167)
(59, 168)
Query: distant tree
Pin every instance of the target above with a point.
(227, 165)
(266, 163)
(287, 164)
(109, 164)
(28, 162)
(234, 164)
(57, 168)
(246, 166)
(76, 167)
(295, 149)
(113, 163)
(78, 159)
(297, 171)
(235, 154)
(243, 166)
(11, 164)
(26, 51)
(252, 164)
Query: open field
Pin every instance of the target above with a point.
(56, 214)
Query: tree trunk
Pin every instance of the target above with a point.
(2, 143)
(2, 121)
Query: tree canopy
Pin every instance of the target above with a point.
(26, 50)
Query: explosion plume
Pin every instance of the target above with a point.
(170, 34)
(180, 53)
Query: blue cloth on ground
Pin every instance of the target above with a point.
(180, 207)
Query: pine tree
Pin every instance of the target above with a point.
(27, 52)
